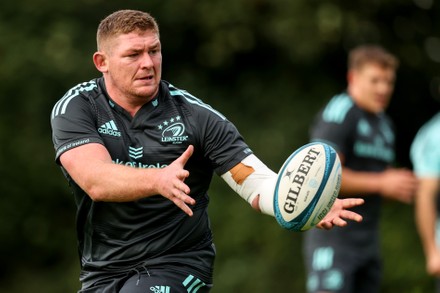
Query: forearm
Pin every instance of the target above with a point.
(426, 215)
(392, 183)
(356, 183)
(91, 167)
(254, 182)
(426, 228)
(111, 182)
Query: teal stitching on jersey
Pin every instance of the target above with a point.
(193, 100)
(61, 106)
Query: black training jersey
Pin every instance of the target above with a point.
(152, 230)
(366, 141)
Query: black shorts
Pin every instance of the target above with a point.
(184, 272)
(333, 267)
(165, 281)
(172, 279)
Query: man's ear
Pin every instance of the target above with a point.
(100, 61)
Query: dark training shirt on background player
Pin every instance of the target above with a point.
(367, 142)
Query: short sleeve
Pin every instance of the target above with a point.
(425, 150)
(224, 146)
(73, 124)
(334, 125)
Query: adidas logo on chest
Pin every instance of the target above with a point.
(109, 128)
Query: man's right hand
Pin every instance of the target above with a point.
(171, 182)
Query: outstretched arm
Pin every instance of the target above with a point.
(91, 167)
(253, 181)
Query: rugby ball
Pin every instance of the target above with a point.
(308, 184)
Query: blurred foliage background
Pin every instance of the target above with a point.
(268, 65)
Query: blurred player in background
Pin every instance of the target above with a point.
(425, 156)
(355, 124)
(139, 155)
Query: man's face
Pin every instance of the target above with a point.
(133, 65)
(371, 86)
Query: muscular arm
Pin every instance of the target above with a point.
(91, 167)
(426, 214)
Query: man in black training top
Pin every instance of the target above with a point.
(139, 155)
(355, 124)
